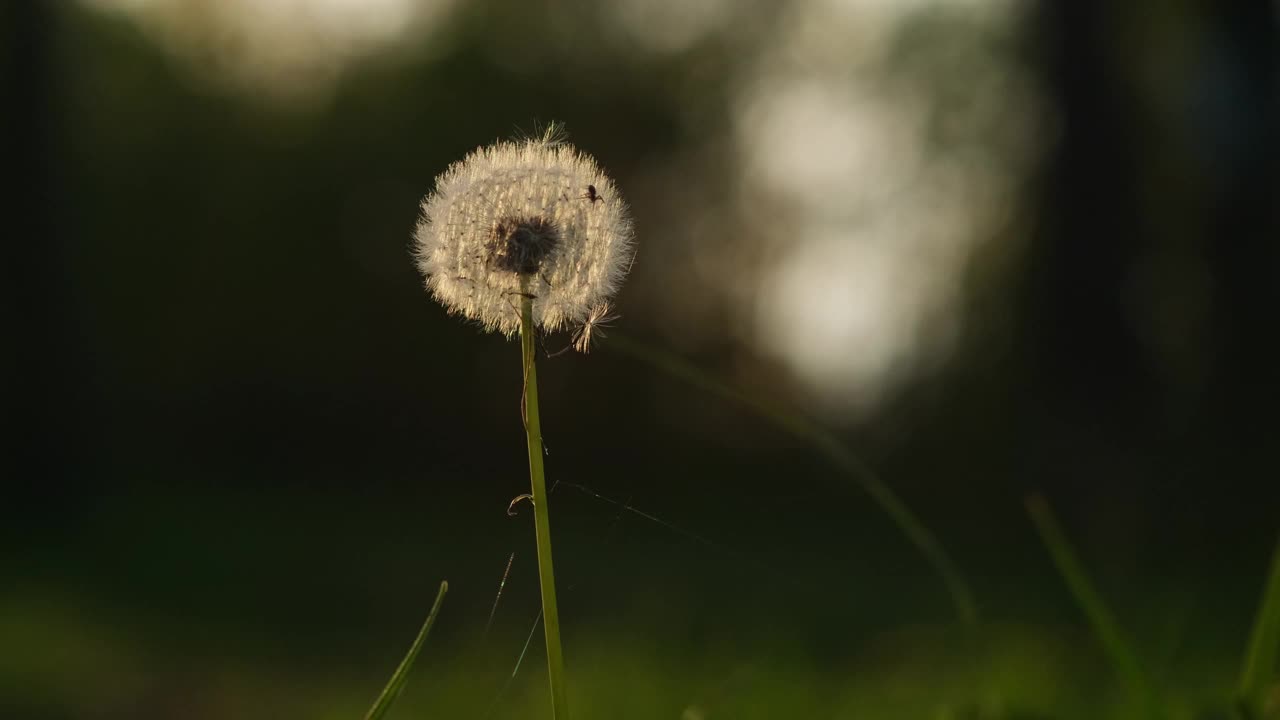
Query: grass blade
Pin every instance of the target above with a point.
(1117, 649)
(1263, 657)
(396, 683)
(836, 453)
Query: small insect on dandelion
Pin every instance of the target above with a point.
(507, 222)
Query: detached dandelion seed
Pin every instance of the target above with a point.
(597, 319)
(519, 236)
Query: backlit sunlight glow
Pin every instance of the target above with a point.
(669, 26)
(881, 218)
(874, 146)
(289, 49)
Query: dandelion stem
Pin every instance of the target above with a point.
(542, 522)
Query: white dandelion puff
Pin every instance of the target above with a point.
(597, 319)
(533, 218)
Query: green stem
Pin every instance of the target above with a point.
(541, 517)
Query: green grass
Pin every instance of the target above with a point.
(1014, 672)
(401, 675)
(1119, 650)
(1262, 659)
(851, 467)
(71, 653)
(78, 658)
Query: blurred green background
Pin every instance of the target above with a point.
(997, 247)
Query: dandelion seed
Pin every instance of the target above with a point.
(598, 318)
(508, 221)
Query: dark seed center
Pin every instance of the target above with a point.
(519, 245)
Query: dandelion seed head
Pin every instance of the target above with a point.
(515, 219)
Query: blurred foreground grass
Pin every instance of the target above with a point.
(190, 615)
(261, 599)
(61, 665)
